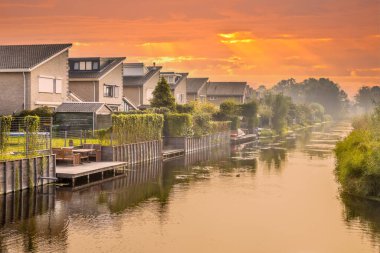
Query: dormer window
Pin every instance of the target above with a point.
(86, 65)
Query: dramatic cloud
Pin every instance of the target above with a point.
(258, 41)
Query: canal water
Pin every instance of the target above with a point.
(268, 196)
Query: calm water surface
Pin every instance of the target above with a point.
(272, 196)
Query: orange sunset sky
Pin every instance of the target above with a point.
(259, 41)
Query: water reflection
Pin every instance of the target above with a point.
(233, 179)
(362, 213)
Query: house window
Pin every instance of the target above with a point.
(111, 91)
(211, 98)
(58, 85)
(88, 65)
(46, 84)
(95, 65)
(108, 90)
(82, 65)
(76, 65)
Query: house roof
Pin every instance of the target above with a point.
(81, 107)
(178, 80)
(194, 84)
(226, 88)
(109, 63)
(140, 80)
(20, 58)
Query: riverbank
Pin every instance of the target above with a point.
(358, 158)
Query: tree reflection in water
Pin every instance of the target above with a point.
(363, 211)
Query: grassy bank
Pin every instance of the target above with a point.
(358, 158)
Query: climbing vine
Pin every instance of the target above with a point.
(178, 124)
(132, 128)
(5, 127)
(32, 124)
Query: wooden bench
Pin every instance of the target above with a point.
(97, 154)
(66, 154)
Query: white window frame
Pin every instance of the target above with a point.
(211, 98)
(88, 65)
(82, 65)
(44, 86)
(58, 86)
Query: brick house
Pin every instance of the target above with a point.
(32, 76)
(97, 79)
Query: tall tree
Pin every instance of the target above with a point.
(368, 97)
(162, 95)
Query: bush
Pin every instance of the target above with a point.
(185, 108)
(132, 128)
(358, 158)
(201, 124)
(43, 111)
(178, 124)
(235, 123)
(5, 127)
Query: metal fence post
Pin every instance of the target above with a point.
(85, 136)
(81, 136)
(65, 137)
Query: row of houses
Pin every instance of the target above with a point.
(32, 76)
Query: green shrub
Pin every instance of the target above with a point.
(358, 159)
(5, 127)
(185, 108)
(132, 128)
(235, 123)
(178, 124)
(32, 125)
(201, 124)
(43, 111)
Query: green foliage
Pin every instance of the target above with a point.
(368, 97)
(201, 124)
(358, 159)
(204, 107)
(235, 123)
(322, 91)
(229, 108)
(103, 135)
(219, 126)
(32, 125)
(178, 124)
(132, 128)
(280, 110)
(43, 111)
(5, 127)
(249, 112)
(185, 108)
(161, 110)
(162, 95)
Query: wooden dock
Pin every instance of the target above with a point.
(172, 153)
(87, 173)
(243, 139)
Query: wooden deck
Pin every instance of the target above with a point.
(89, 172)
(172, 153)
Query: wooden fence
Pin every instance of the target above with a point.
(26, 173)
(190, 144)
(134, 152)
